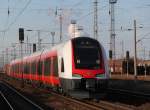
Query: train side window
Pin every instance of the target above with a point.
(62, 65)
(40, 63)
(47, 67)
(25, 68)
(28, 68)
(18, 68)
(55, 66)
(15, 68)
(21, 68)
(33, 67)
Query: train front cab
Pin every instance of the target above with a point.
(89, 76)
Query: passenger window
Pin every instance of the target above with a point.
(40, 63)
(62, 65)
(33, 67)
(47, 67)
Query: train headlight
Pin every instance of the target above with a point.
(78, 61)
(76, 75)
(100, 75)
(97, 61)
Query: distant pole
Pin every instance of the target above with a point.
(53, 34)
(127, 59)
(30, 47)
(6, 55)
(112, 27)
(3, 58)
(14, 52)
(127, 67)
(145, 69)
(135, 52)
(22, 82)
(112, 30)
(144, 60)
(39, 40)
(27, 46)
(122, 43)
(60, 20)
(95, 28)
(21, 39)
(149, 54)
(73, 22)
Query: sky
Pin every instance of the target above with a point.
(41, 15)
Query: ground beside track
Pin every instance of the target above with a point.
(130, 77)
(54, 102)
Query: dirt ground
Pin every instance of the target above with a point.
(130, 77)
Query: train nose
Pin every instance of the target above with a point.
(88, 83)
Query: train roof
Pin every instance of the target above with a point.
(45, 50)
(58, 46)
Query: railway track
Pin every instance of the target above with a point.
(86, 104)
(139, 95)
(4, 103)
(91, 105)
(15, 100)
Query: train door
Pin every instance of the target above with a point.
(33, 72)
(47, 71)
(55, 78)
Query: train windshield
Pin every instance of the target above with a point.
(86, 54)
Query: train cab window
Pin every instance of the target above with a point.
(40, 63)
(55, 66)
(62, 65)
(87, 54)
(47, 67)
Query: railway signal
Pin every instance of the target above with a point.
(110, 54)
(21, 39)
(21, 35)
(34, 47)
(127, 55)
(127, 59)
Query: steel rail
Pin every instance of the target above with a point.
(6, 100)
(133, 93)
(31, 102)
(103, 105)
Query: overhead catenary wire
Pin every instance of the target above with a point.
(77, 4)
(19, 14)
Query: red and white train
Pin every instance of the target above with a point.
(76, 67)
